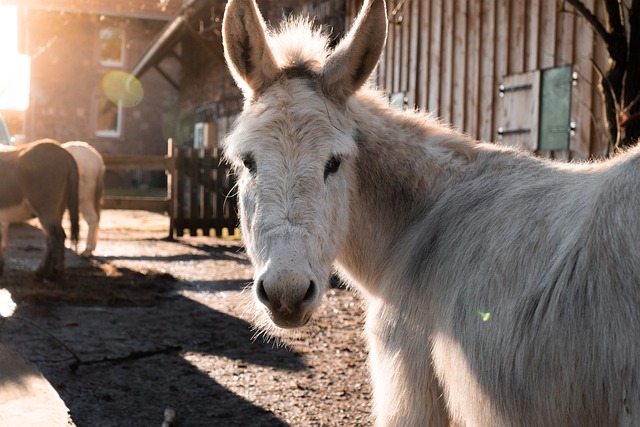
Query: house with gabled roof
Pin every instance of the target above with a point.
(81, 52)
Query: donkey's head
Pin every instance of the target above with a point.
(294, 148)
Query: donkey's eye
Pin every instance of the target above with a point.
(249, 163)
(332, 166)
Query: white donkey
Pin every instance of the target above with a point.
(91, 168)
(502, 289)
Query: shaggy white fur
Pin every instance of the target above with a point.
(502, 289)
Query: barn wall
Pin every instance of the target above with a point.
(450, 56)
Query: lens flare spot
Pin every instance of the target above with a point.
(121, 87)
(484, 315)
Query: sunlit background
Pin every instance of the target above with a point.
(7, 306)
(15, 70)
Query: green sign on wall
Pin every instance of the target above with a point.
(555, 108)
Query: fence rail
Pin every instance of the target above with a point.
(198, 190)
(202, 188)
(139, 162)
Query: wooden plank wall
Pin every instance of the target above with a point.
(450, 56)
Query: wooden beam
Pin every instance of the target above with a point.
(156, 204)
(167, 77)
(138, 162)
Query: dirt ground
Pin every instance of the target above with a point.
(152, 325)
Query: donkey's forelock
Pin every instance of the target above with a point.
(300, 45)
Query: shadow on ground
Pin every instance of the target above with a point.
(113, 341)
(204, 252)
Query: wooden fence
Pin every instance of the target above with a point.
(143, 163)
(199, 197)
(202, 190)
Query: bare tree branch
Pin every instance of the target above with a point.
(634, 27)
(595, 23)
(605, 82)
(619, 83)
(611, 104)
(615, 18)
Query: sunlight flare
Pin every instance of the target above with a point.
(122, 87)
(7, 306)
(16, 69)
(485, 316)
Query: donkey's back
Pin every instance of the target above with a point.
(533, 272)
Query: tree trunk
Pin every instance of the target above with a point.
(619, 83)
(629, 119)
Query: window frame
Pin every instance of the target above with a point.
(107, 133)
(122, 38)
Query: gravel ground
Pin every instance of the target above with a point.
(151, 324)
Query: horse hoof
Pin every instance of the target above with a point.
(49, 276)
(86, 254)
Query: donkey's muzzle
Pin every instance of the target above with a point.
(289, 296)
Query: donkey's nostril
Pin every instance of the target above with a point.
(262, 293)
(311, 293)
(286, 292)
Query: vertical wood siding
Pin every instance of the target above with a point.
(450, 56)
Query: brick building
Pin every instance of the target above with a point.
(80, 51)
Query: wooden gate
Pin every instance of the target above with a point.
(203, 196)
(199, 190)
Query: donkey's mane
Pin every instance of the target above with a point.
(299, 44)
(301, 48)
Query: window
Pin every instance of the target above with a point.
(111, 47)
(536, 109)
(108, 118)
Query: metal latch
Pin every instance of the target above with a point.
(502, 89)
(505, 132)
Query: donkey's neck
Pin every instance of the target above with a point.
(405, 161)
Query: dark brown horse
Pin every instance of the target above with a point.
(40, 179)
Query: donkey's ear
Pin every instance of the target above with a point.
(246, 50)
(355, 58)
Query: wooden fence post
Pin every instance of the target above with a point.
(170, 181)
(197, 189)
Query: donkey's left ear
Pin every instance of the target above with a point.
(246, 49)
(357, 55)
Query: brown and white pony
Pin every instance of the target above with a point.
(502, 289)
(91, 168)
(40, 179)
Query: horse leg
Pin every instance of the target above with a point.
(4, 242)
(4, 236)
(52, 266)
(406, 391)
(92, 218)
